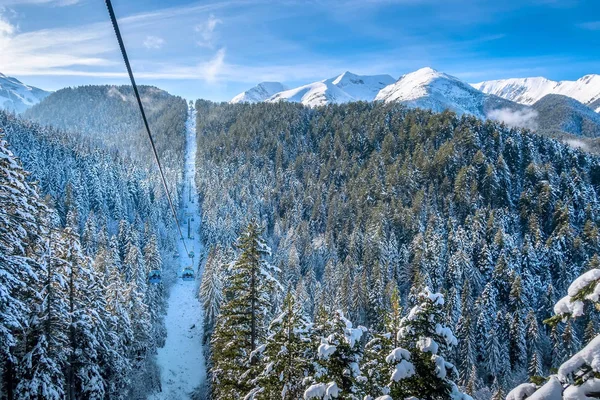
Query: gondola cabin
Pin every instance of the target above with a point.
(154, 277)
(176, 255)
(187, 274)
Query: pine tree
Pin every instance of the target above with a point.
(240, 328)
(338, 356)
(285, 360)
(211, 288)
(21, 261)
(428, 342)
(379, 347)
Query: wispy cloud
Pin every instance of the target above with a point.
(590, 26)
(206, 31)
(153, 42)
(58, 3)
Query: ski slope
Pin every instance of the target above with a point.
(181, 360)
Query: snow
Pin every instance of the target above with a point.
(429, 89)
(181, 360)
(589, 387)
(16, 96)
(521, 392)
(529, 90)
(325, 391)
(552, 390)
(343, 88)
(404, 368)
(362, 87)
(567, 305)
(258, 93)
(326, 350)
(427, 345)
(588, 356)
(583, 281)
(314, 94)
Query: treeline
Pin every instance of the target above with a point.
(361, 200)
(81, 229)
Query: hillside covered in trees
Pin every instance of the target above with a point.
(107, 116)
(81, 227)
(375, 214)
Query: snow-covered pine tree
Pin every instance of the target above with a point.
(155, 292)
(285, 361)
(23, 261)
(379, 346)
(577, 377)
(211, 288)
(428, 342)
(241, 325)
(86, 330)
(41, 372)
(337, 359)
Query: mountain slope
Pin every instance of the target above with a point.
(529, 90)
(362, 87)
(15, 96)
(429, 89)
(340, 89)
(260, 92)
(314, 94)
(562, 114)
(108, 116)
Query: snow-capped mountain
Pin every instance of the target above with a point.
(314, 94)
(258, 93)
(362, 87)
(340, 89)
(16, 96)
(437, 91)
(529, 90)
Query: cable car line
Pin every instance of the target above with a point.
(139, 101)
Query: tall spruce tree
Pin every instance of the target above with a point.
(241, 326)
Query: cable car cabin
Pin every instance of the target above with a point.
(187, 274)
(175, 255)
(191, 254)
(154, 277)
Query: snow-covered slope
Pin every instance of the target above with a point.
(340, 89)
(529, 90)
(362, 87)
(260, 92)
(16, 96)
(430, 89)
(314, 94)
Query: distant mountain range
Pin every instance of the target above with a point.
(529, 90)
(537, 103)
(15, 96)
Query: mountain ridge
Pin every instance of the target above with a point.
(15, 96)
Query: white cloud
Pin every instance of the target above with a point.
(523, 118)
(214, 67)
(206, 31)
(153, 42)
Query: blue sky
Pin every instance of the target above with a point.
(216, 49)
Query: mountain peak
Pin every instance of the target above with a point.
(16, 96)
(260, 92)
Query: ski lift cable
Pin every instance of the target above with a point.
(139, 101)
